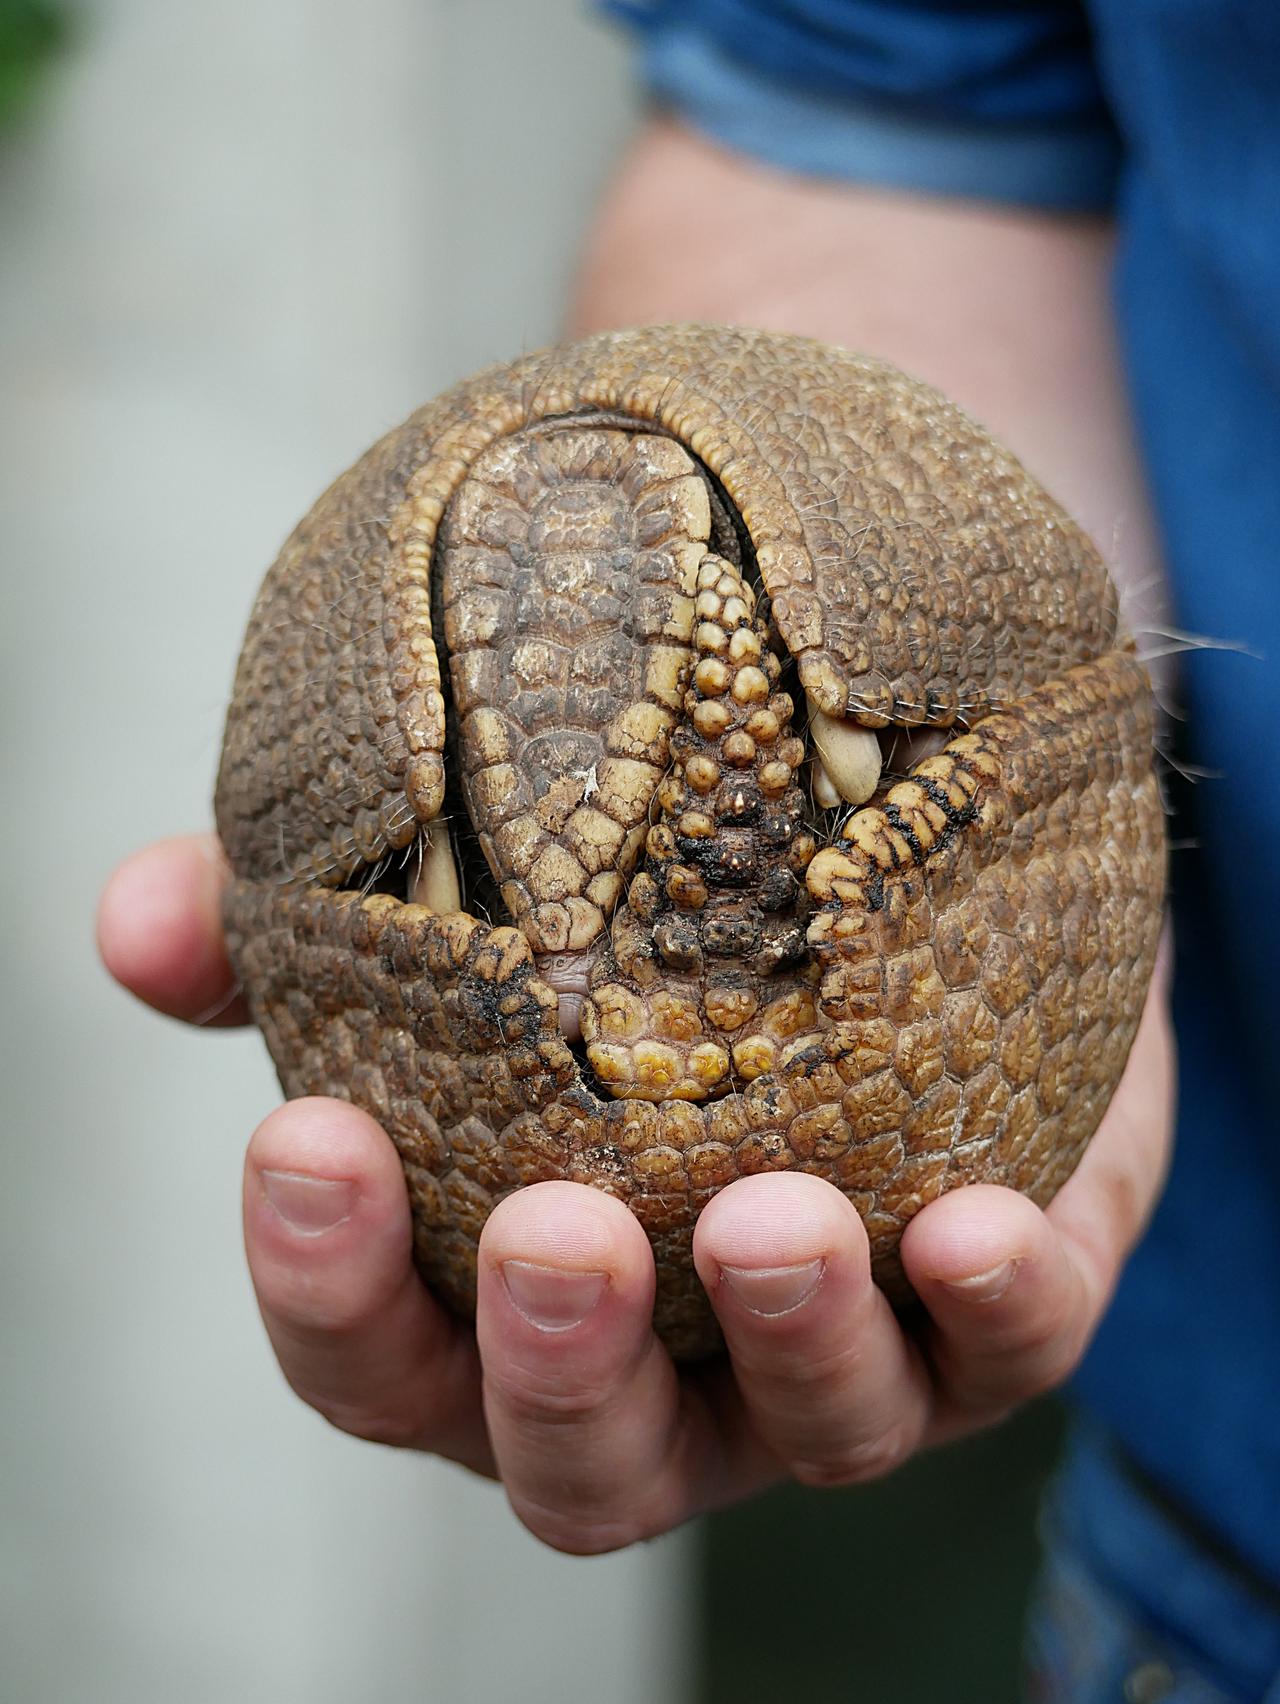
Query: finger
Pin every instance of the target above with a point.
(593, 1440)
(826, 1374)
(1015, 1294)
(1010, 1310)
(160, 930)
(328, 1237)
(1101, 1210)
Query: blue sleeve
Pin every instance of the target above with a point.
(996, 100)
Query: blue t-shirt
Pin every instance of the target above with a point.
(1167, 111)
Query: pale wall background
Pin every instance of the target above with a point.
(237, 243)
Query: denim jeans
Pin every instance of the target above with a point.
(1131, 1609)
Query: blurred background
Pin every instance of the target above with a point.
(237, 244)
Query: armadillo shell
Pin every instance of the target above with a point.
(567, 623)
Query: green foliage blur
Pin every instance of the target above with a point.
(32, 33)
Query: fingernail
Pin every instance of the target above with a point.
(773, 1290)
(986, 1286)
(548, 1296)
(310, 1206)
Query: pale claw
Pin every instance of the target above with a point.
(825, 792)
(435, 884)
(848, 761)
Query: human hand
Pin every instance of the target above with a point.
(562, 1391)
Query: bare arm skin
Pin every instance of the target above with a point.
(563, 1391)
(1005, 311)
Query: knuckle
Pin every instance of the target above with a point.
(855, 1463)
(308, 1308)
(397, 1432)
(1040, 1362)
(1053, 1367)
(1047, 1353)
(531, 1401)
(1126, 1200)
(577, 1533)
(357, 1420)
(808, 1372)
(334, 1316)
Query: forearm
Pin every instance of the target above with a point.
(1004, 310)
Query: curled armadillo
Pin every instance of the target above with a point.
(686, 753)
